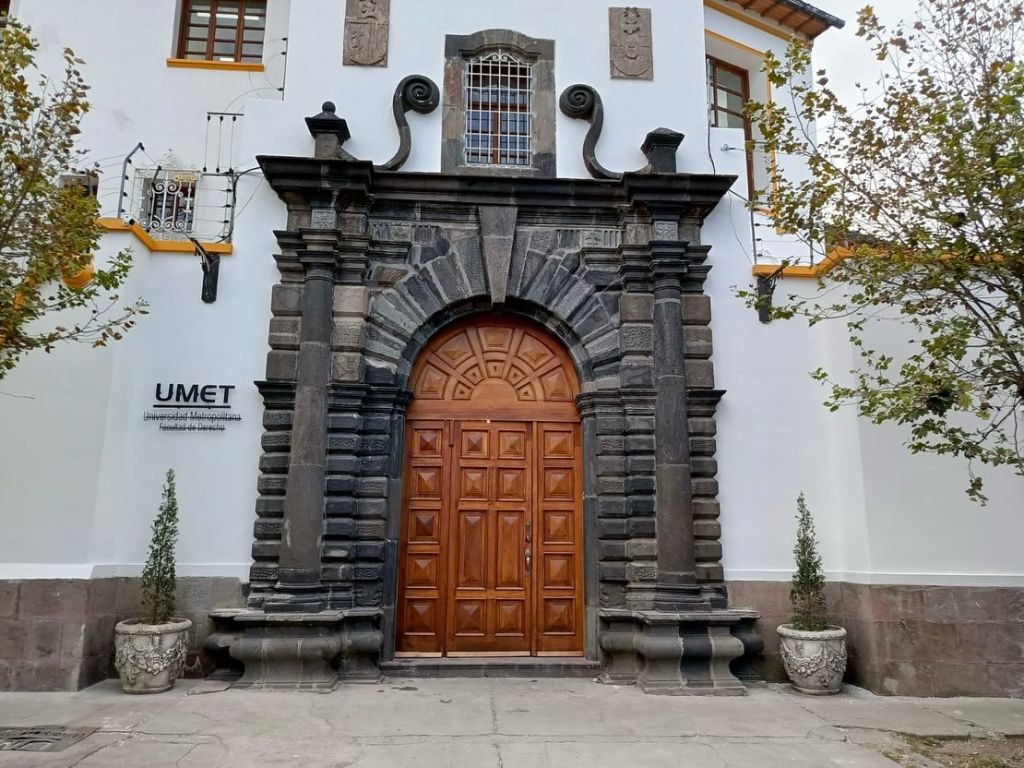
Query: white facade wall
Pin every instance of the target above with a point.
(81, 472)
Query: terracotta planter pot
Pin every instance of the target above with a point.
(814, 661)
(149, 657)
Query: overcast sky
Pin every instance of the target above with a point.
(846, 56)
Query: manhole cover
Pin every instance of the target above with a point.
(41, 738)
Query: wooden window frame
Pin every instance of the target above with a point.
(185, 23)
(714, 65)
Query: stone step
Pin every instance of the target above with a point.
(502, 666)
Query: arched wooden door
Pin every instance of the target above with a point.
(491, 555)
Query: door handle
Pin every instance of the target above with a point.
(529, 559)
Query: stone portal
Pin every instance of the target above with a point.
(610, 273)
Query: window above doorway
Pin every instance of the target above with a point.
(499, 105)
(498, 99)
(223, 30)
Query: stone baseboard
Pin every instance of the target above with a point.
(909, 640)
(58, 634)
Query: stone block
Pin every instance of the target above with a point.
(609, 551)
(640, 464)
(637, 373)
(612, 529)
(920, 641)
(44, 638)
(286, 299)
(642, 549)
(707, 529)
(611, 507)
(347, 366)
(636, 337)
(54, 598)
(697, 342)
(636, 307)
(14, 640)
(351, 300)
(642, 528)
(640, 443)
(281, 365)
(349, 334)
(102, 597)
(612, 571)
(941, 604)
(704, 487)
(700, 374)
(992, 642)
(611, 465)
(284, 332)
(49, 676)
(8, 599)
(370, 508)
(703, 466)
(696, 309)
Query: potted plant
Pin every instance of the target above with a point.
(813, 651)
(150, 652)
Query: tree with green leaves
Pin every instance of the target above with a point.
(807, 593)
(50, 291)
(158, 577)
(923, 180)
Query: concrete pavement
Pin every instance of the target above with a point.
(488, 723)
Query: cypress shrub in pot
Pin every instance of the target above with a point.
(813, 650)
(150, 652)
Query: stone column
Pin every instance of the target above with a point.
(677, 583)
(299, 583)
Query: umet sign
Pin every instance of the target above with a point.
(192, 407)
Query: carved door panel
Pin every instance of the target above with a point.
(422, 564)
(490, 609)
(558, 548)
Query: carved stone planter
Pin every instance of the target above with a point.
(149, 657)
(814, 661)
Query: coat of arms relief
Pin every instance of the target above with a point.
(630, 37)
(366, 33)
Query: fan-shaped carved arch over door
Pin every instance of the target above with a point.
(494, 367)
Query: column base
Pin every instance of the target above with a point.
(312, 651)
(676, 653)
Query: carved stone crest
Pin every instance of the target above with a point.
(366, 32)
(631, 47)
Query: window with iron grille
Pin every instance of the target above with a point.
(728, 94)
(5, 9)
(168, 203)
(499, 122)
(223, 30)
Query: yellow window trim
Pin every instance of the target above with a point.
(826, 265)
(224, 66)
(162, 246)
(741, 16)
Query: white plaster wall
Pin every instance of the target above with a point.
(80, 488)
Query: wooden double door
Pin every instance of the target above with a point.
(491, 559)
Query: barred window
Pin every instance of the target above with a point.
(168, 203)
(223, 30)
(499, 123)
